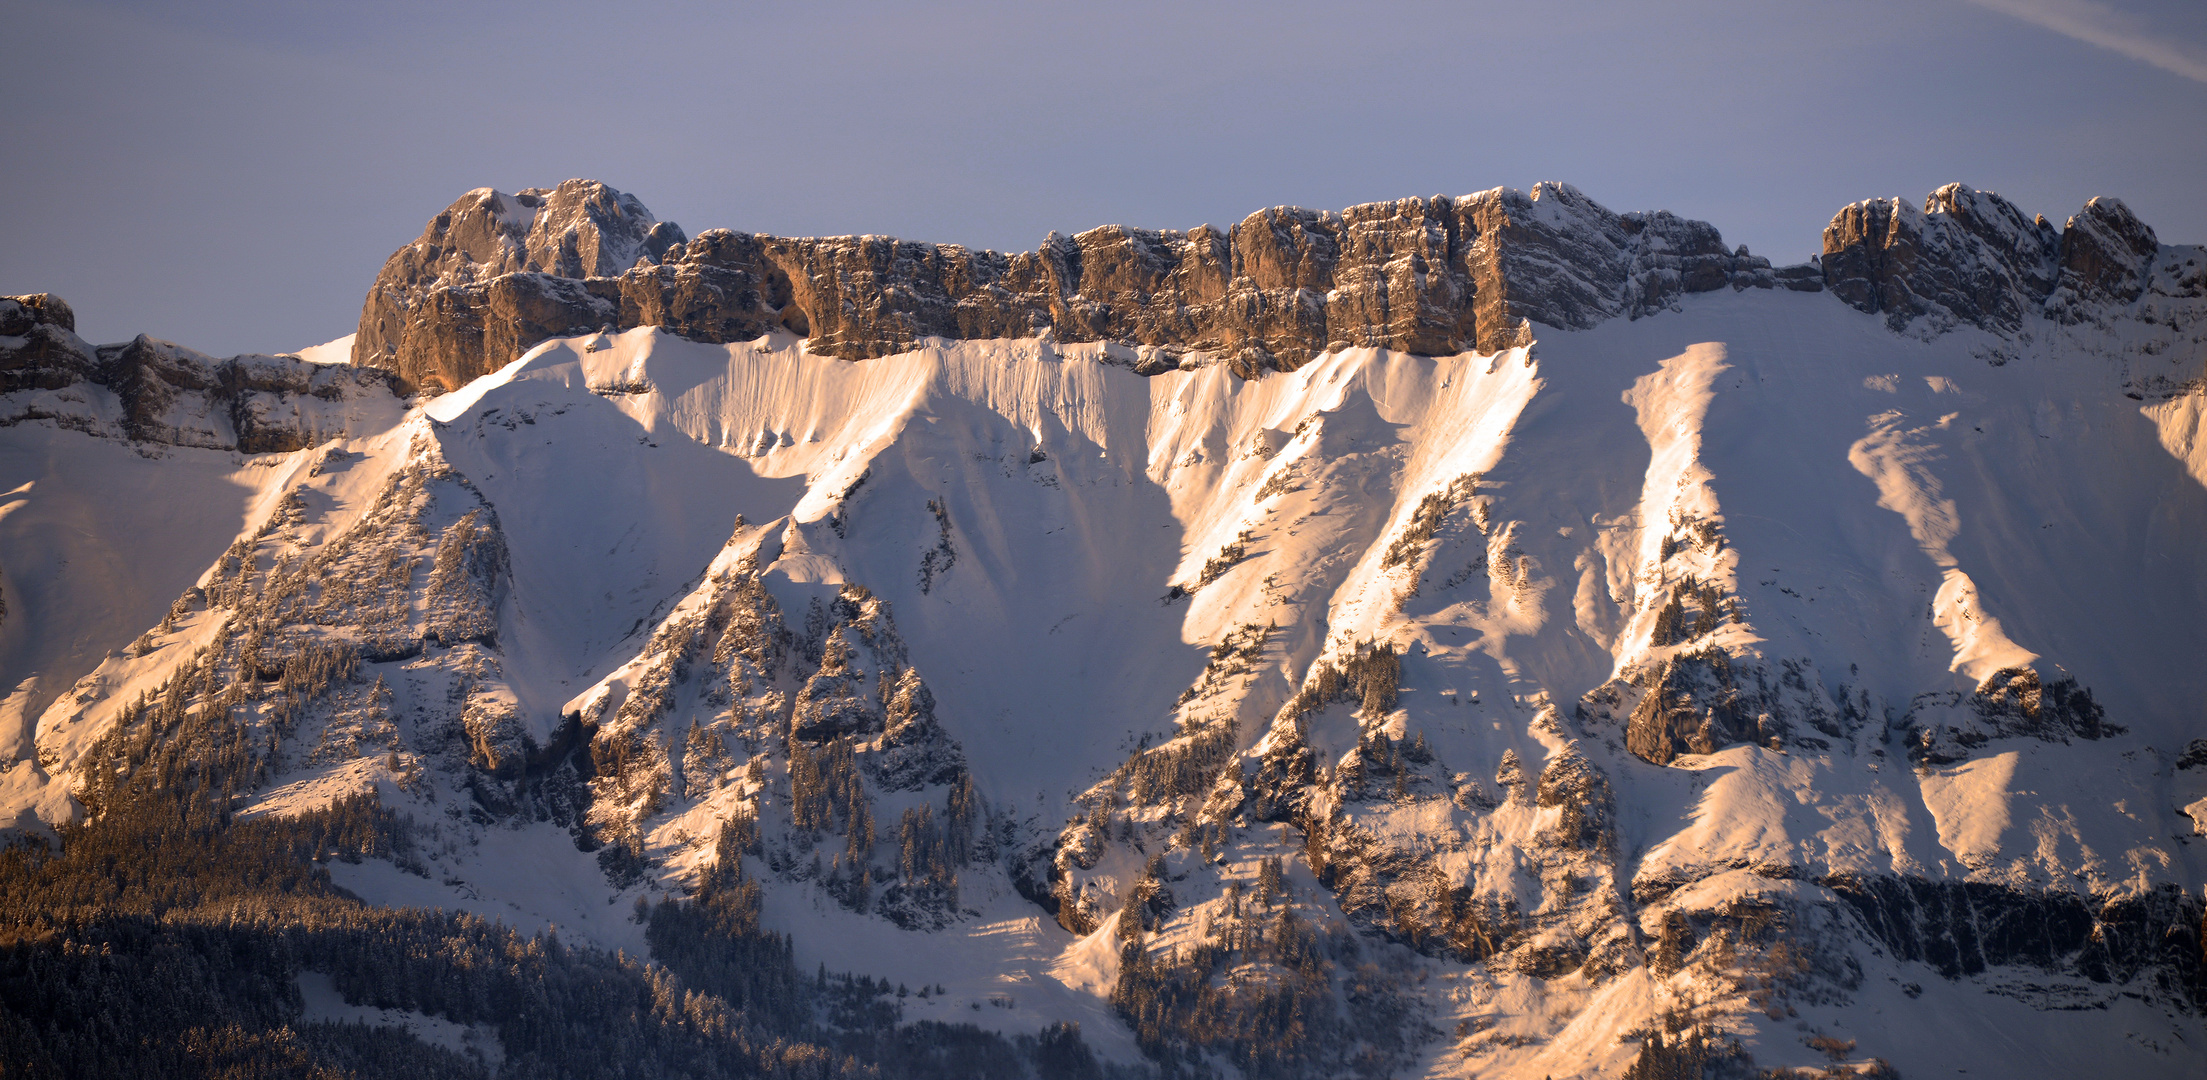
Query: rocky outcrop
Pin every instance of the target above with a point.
(39, 346)
(2106, 257)
(1970, 257)
(154, 391)
(496, 273)
(1693, 706)
(1966, 257)
(1943, 729)
(1701, 700)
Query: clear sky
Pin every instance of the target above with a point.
(231, 175)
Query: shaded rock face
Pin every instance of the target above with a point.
(1970, 257)
(39, 347)
(1962, 928)
(163, 392)
(19, 315)
(496, 273)
(1966, 257)
(2106, 254)
(1557, 257)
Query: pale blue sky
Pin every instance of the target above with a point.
(231, 175)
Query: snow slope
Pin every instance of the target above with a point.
(97, 539)
(1087, 567)
(336, 351)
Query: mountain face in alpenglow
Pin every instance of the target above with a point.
(1485, 636)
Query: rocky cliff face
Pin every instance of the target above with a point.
(148, 390)
(2107, 255)
(39, 346)
(1970, 257)
(496, 273)
(1966, 257)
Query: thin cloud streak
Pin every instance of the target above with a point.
(2095, 23)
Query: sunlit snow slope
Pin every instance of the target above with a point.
(1753, 618)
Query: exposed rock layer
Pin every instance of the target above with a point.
(495, 273)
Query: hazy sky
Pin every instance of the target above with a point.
(231, 175)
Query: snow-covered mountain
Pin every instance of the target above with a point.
(1485, 636)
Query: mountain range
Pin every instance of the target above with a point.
(1477, 636)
